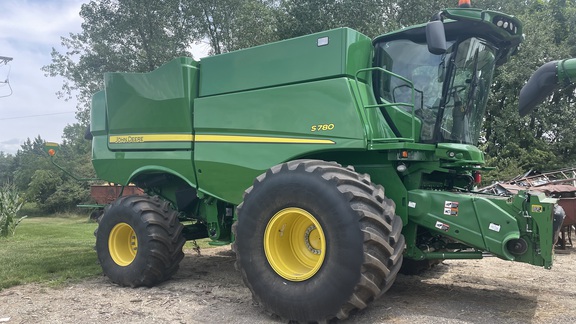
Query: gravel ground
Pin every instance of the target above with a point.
(207, 289)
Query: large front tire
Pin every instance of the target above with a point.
(139, 241)
(315, 241)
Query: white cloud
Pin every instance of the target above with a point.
(38, 22)
(10, 145)
(28, 31)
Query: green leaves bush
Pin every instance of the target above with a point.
(10, 204)
(53, 194)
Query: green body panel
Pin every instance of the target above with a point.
(486, 223)
(98, 116)
(151, 114)
(295, 60)
(163, 96)
(375, 126)
(122, 166)
(458, 154)
(320, 110)
(381, 159)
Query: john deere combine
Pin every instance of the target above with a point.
(326, 160)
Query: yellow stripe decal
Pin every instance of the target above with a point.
(149, 138)
(259, 139)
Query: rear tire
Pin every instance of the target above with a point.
(316, 241)
(139, 241)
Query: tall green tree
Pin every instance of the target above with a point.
(229, 25)
(29, 159)
(301, 17)
(6, 168)
(541, 140)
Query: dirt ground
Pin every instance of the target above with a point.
(207, 289)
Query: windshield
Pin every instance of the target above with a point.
(448, 92)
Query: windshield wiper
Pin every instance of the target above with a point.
(473, 82)
(449, 73)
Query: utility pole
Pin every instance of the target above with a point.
(5, 59)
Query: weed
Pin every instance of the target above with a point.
(10, 204)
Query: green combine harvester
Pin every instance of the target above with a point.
(330, 161)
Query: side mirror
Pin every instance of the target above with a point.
(51, 148)
(541, 84)
(436, 37)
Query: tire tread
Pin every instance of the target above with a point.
(163, 232)
(383, 241)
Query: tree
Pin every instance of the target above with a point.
(43, 184)
(302, 17)
(230, 25)
(6, 168)
(543, 139)
(119, 35)
(75, 152)
(52, 193)
(28, 159)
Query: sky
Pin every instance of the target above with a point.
(28, 31)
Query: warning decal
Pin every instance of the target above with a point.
(451, 208)
(442, 226)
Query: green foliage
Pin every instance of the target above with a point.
(505, 169)
(412, 12)
(230, 25)
(6, 167)
(66, 197)
(31, 172)
(10, 204)
(27, 160)
(542, 140)
(301, 17)
(53, 194)
(44, 183)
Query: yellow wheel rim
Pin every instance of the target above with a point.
(123, 244)
(294, 244)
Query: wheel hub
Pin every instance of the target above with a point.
(312, 239)
(294, 244)
(123, 244)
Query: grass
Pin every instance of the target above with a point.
(49, 250)
(53, 250)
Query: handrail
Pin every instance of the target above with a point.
(384, 105)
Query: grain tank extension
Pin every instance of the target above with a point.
(329, 161)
